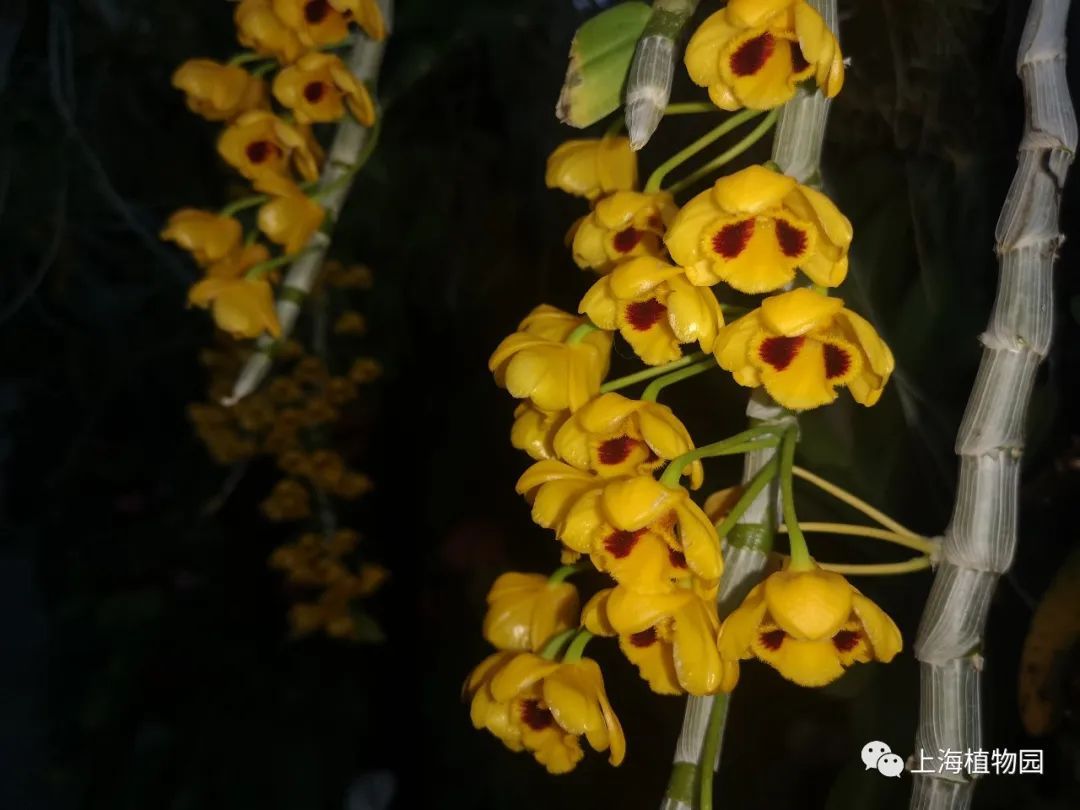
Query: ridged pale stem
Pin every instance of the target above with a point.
(981, 538)
(350, 140)
(648, 85)
(797, 144)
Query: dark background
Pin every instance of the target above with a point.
(145, 660)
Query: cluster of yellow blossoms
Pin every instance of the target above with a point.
(292, 420)
(277, 152)
(596, 452)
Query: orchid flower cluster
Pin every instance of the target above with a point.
(612, 475)
(290, 65)
(295, 421)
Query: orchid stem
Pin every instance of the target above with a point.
(656, 179)
(690, 108)
(761, 480)
(739, 443)
(556, 643)
(560, 574)
(724, 157)
(577, 646)
(921, 544)
(880, 569)
(649, 373)
(653, 389)
(714, 735)
(800, 554)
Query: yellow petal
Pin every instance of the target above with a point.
(518, 674)
(807, 663)
(758, 66)
(740, 628)
(594, 616)
(798, 311)
(808, 605)
(703, 50)
(654, 660)
(882, 632)
(732, 348)
(751, 190)
(683, 238)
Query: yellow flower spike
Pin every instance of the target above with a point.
(622, 225)
(655, 308)
(754, 54)
(615, 436)
(590, 168)
(534, 430)
(366, 14)
(752, 229)
(537, 363)
(206, 236)
(315, 22)
(291, 220)
(801, 346)
(259, 28)
(263, 148)
(809, 626)
(318, 87)
(526, 610)
(636, 503)
(218, 92)
(241, 306)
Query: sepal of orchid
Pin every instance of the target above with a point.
(258, 27)
(809, 626)
(801, 346)
(534, 430)
(206, 236)
(537, 363)
(219, 92)
(241, 306)
(577, 700)
(613, 436)
(554, 488)
(590, 168)
(526, 610)
(655, 308)
(753, 228)
(622, 225)
(291, 221)
(755, 54)
(318, 87)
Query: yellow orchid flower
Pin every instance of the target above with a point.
(534, 430)
(263, 148)
(809, 626)
(553, 488)
(366, 14)
(671, 638)
(289, 500)
(526, 610)
(655, 308)
(754, 227)
(555, 703)
(801, 346)
(615, 436)
(206, 236)
(218, 92)
(754, 53)
(537, 363)
(241, 306)
(333, 612)
(499, 716)
(315, 22)
(593, 167)
(318, 87)
(647, 536)
(350, 323)
(291, 220)
(622, 225)
(259, 28)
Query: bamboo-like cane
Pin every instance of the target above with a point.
(349, 142)
(981, 538)
(800, 133)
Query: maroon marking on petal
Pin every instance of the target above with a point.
(778, 352)
(678, 559)
(846, 640)
(798, 61)
(534, 716)
(261, 151)
(792, 240)
(617, 450)
(620, 544)
(315, 11)
(752, 55)
(837, 362)
(656, 222)
(772, 639)
(643, 315)
(731, 240)
(627, 239)
(646, 638)
(313, 91)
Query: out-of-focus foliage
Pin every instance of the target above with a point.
(146, 662)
